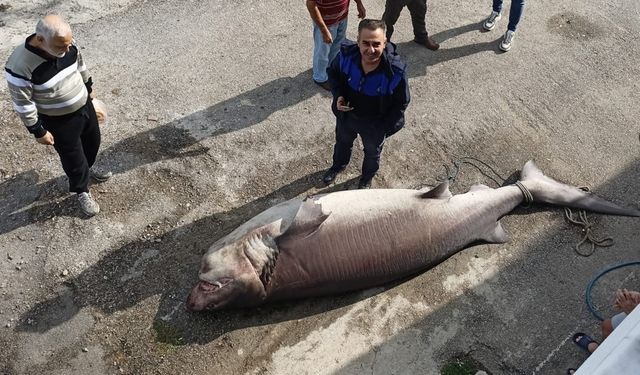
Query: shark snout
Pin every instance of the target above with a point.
(204, 294)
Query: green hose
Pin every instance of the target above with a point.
(587, 293)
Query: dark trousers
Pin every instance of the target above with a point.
(418, 11)
(76, 138)
(517, 7)
(347, 129)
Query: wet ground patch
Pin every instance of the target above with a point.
(463, 364)
(574, 26)
(167, 333)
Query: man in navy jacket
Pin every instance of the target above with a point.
(370, 94)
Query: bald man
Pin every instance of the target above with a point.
(51, 92)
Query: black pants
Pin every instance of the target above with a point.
(418, 11)
(76, 138)
(347, 129)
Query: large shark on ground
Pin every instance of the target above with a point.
(351, 240)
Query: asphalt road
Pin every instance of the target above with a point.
(213, 117)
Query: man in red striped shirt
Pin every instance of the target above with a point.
(329, 30)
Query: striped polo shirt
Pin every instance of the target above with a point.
(333, 11)
(39, 83)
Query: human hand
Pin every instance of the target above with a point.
(343, 105)
(101, 110)
(46, 139)
(326, 36)
(626, 300)
(362, 12)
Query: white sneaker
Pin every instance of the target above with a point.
(490, 22)
(505, 45)
(99, 176)
(88, 205)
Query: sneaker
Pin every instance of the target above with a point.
(505, 45)
(100, 176)
(329, 176)
(88, 205)
(364, 183)
(490, 22)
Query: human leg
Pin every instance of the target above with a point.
(392, 9)
(320, 56)
(497, 6)
(90, 138)
(338, 33)
(515, 13)
(607, 328)
(373, 142)
(69, 134)
(494, 17)
(418, 12)
(90, 135)
(66, 131)
(608, 325)
(345, 135)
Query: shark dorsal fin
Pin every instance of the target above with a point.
(307, 219)
(439, 192)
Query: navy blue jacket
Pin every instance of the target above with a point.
(381, 96)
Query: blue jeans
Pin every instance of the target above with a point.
(517, 7)
(324, 53)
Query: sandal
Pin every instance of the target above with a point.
(583, 340)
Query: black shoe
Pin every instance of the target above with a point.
(429, 43)
(364, 183)
(325, 85)
(329, 176)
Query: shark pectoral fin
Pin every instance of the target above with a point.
(496, 234)
(307, 219)
(478, 187)
(439, 192)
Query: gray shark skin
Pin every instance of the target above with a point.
(350, 240)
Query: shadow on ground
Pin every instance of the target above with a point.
(30, 202)
(181, 138)
(169, 268)
(539, 314)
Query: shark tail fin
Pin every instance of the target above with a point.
(547, 190)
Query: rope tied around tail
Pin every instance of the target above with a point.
(528, 197)
(581, 220)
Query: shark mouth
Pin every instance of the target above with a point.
(208, 287)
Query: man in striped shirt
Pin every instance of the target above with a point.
(329, 30)
(51, 92)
